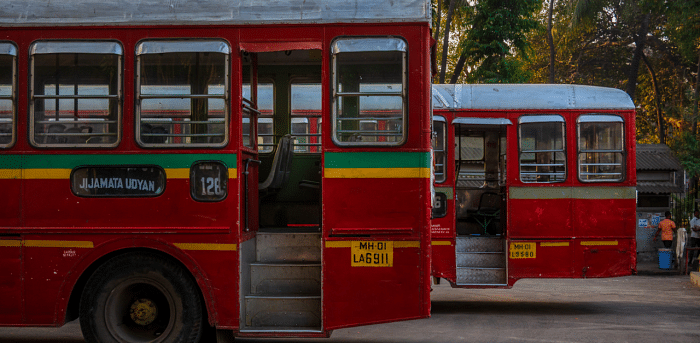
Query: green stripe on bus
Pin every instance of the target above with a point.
(72, 161)
(346, 160)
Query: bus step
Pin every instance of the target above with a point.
(297, 245)
(481, 259)
(479, 244)
(268, 278)
(276, 312)
(481, 276)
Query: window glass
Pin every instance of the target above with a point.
(542, 149)
(600, 148)
(76, 92)
(369, 88)
(182, 93)
(306, 117)
(8, 58)
(266, 109)
(439, 144)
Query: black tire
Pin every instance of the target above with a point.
(140, 297)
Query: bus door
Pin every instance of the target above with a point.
(375, 191)
(281, 261)
(480, 206)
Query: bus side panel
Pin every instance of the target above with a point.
(375, 204)
(10, 209)
(608, 258)
(545, 218)
(552, 259)
(11, 309)
(443, 256)
(443, 240)
(356, 296)
(47, 261)
(604, 218)
(375, 210)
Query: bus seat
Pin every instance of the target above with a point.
(159, 134)
(53, 134)
(488, 212)
(281, 164)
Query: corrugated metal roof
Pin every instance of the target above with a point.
(658, 187)
(189, 12)
(528, 96)
(656, 157)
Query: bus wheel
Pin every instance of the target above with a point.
(139, 297)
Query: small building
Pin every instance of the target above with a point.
(659, 176)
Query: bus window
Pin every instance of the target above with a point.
(266, 106)
(439, 144)
(76, 92)
(600, 148)
(8, 59)
(182, 93)
(306, 117)
(542, 150)
(369, 85)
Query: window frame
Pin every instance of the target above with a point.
(259, 115)
(369, 44)
(443, 122)
(306, 147)
(8, 48)
(612, 118)
(89, 47)
(542, 118)
(173, 46)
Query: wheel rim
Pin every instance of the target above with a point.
(140, 310)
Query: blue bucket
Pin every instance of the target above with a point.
(665, 258)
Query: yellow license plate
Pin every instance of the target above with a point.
(523, 250)
(372, 254)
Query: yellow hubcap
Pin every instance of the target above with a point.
(143, 312)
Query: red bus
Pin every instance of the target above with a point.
(161, 171)
(532, 181)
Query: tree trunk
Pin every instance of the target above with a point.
(550, 41)
(657, 99)
(696, 99)
(639, 42)
(437, 23)
(446, 41)
(458, 69)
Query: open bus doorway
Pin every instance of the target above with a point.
(480, 206)
(281, 263)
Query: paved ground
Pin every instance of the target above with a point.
(657, 306)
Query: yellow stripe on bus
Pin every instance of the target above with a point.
(554, 244)
(56, 173)
(57, 244)
(184, 173)
(338, 244)
(207, 246)
(599, 243)
(407, 244)
(10, 173)
(10, 243)
(397, 244)
(177, 173)
(29, 174)
(376, 173)
(441, 243)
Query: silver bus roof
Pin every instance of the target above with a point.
(196, 12)
(528, 96)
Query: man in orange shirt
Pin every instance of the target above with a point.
(666, 227)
